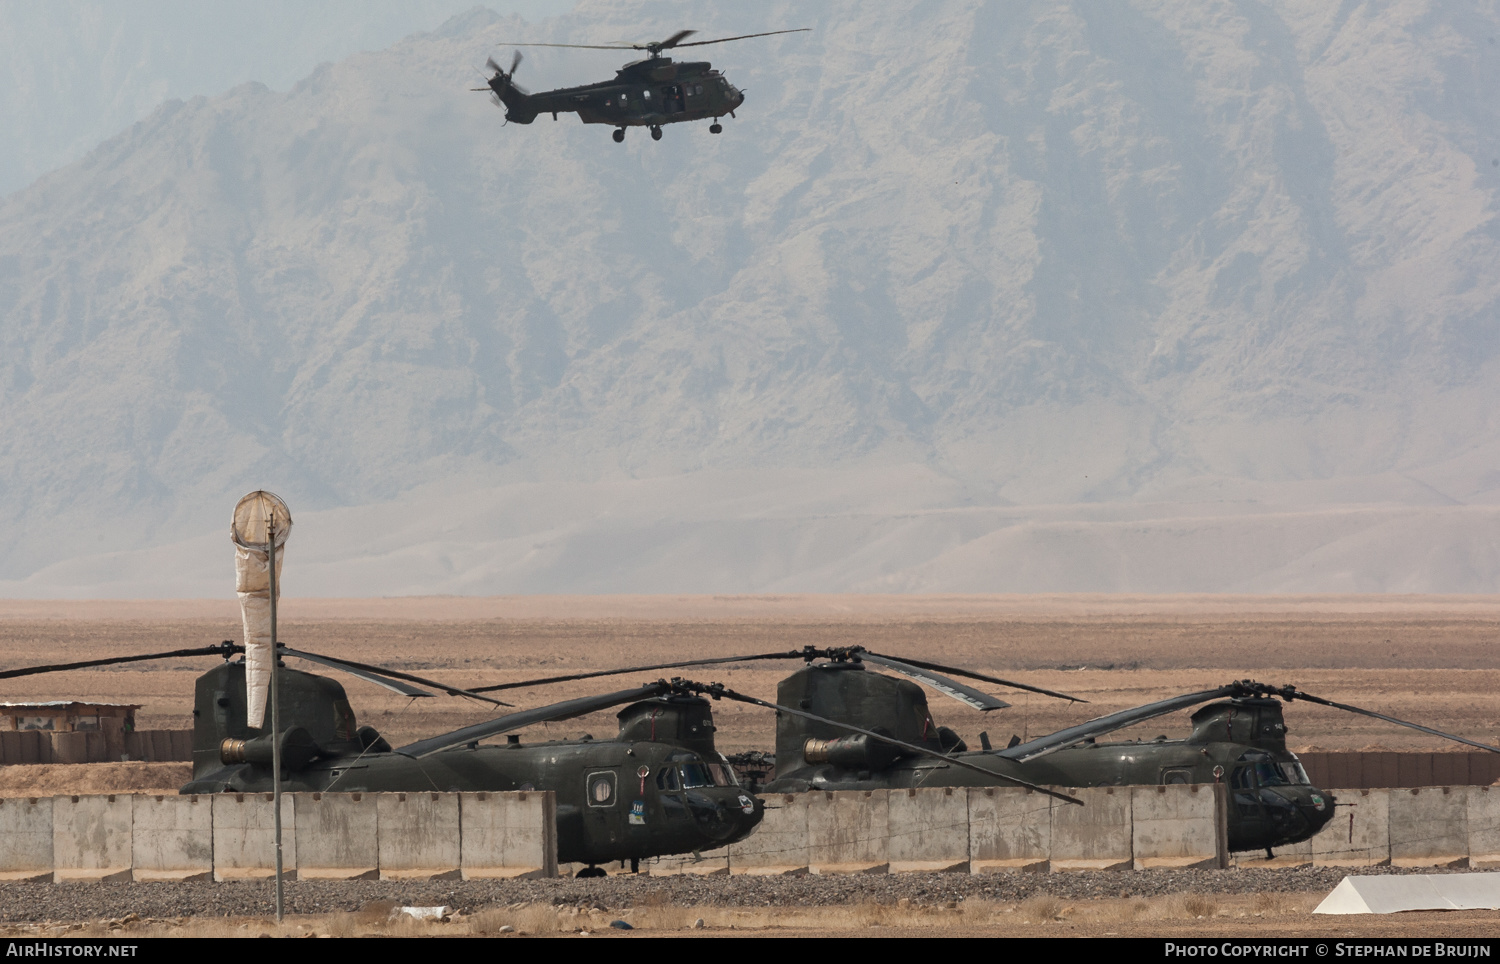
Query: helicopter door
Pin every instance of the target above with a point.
(674, 99)
(604, 816)
(1250, 820)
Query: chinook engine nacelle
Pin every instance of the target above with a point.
(844, 691)
(316, 720)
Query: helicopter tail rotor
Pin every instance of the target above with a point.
(507, 94)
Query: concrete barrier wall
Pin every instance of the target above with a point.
(498, 835)
(231, 836)
(419, 835)
(1175, 830)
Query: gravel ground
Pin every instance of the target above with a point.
(92, 902)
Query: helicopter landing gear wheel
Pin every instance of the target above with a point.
(589, 872)
(715, 128)
(619, 135)
(656, 133)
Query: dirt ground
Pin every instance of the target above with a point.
(1424, 658)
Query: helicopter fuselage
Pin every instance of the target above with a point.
(659, 788)
(648, 93)
(1239, 742)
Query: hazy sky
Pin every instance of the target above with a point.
(81, 70)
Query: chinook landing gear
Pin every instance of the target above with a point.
(619, 135)
(715, 128)
(655, 133)
(588, 872)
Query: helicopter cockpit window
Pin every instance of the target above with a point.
(1294, 774)
(696, 775)
(1266, 772)
(666, 779)
(723, 776)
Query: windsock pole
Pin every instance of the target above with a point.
(275, 719)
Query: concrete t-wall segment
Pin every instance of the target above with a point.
(26, 838)
(419, 835)
(927, 829)
(1095, 836)
(172, 837)
(1174, 829)
(1429, 827)
(1359, 834)
(338, 835)
(245, 836)
(91, 838)
(847, 831)
(1010, 828)
(779, 844)
(1484, 828)
(498, 834)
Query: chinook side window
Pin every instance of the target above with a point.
(696, 775)
(723, 775)
(666, 779)
(1294, 774)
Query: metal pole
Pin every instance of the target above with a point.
(275, 718)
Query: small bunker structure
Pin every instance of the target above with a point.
(68, 716)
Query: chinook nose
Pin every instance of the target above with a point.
(727, 814)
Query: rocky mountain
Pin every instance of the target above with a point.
(970, 297)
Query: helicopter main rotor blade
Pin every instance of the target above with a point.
(1290, 693)
(675, 40)
(952, 689)
(717, 691)
(547, 680)
(224, 650)
(743, 36)
(389, 678)
(982, 678)
(1074, 735)
(543, 714)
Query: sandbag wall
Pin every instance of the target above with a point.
(975, 830)
(1400, 768)
(95, 746)
(389, 836)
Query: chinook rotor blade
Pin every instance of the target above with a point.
(1290, 693)
(389, 678)
(225, 650)
(543, 714)
(967, 695)
(547, 680)
(1074, 735)
(979, 676)
(909, 667)
(717, 691)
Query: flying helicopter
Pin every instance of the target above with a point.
(1239, 738)
(659, 787)
(645, 93)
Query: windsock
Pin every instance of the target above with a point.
(254, 519)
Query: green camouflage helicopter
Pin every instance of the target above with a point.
(1238, 739)
(646, 93)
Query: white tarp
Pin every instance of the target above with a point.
(252, 578)
(1398, 892)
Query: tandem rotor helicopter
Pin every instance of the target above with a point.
(645, 93)
(1239, 739)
